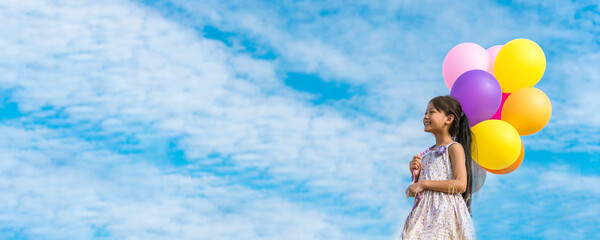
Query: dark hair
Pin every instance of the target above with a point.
(459, 129)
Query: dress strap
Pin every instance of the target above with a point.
(450, 144)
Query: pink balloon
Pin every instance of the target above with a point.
(493, 51)
(464, 57)
(498, 114)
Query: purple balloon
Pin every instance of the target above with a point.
(479, 94)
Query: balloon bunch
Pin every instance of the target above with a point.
(495, 90)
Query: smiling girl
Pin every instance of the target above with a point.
(442, 181)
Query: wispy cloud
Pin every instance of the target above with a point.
(58, 187)
(144, 83)
(543, 204)
(174, 119)
(394, 50)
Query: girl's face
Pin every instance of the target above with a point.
(435, 120)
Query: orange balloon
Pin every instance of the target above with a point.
(512, 167)
(528, 110)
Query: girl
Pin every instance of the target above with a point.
(442, 189)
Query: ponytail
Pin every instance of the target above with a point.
(463, 136)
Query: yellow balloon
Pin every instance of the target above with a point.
(512, 167)
(519, 63)
(528, 110)
(496, 144)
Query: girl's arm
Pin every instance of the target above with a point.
(459, 183)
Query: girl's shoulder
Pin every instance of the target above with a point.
(455, 146)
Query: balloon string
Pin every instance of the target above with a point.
(418, 197)
(414, 174)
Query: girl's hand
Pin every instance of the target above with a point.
(414, 189)
(415, 164)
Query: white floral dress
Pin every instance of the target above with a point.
(438, 215)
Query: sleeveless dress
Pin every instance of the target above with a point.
(438, 215)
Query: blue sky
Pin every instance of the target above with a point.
(273, 120)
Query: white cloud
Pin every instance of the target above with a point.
(59, 187)
(395, 49)
(121, 70)
(538, 203)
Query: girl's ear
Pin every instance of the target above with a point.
(449, 119)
